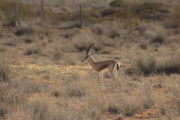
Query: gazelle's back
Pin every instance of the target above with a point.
(104, 64)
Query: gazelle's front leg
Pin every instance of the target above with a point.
(99, 77)
(112, 74)
(111, 70)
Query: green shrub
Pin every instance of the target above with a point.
(175, 16)
(150, 10)
(118, 3)
(26, 12)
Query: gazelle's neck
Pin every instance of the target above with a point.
(91, 62)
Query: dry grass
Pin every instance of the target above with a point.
(150, 11)
(86, 97)
(139, 11)
(8, 10)
(26, 12)
(50, 81)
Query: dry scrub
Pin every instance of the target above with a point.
(151, 66)
(50, 81)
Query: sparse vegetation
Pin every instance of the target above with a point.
(4, 70)
(51, 80)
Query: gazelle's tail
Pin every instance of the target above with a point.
(118, 65)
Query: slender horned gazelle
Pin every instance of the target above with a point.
(111, 65)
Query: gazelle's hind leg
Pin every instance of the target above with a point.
(100, 77)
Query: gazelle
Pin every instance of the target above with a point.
(111, 65)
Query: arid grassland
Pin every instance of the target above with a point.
(43, 75)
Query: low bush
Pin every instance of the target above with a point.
(119, 3)
(175, 16)
(24, 31)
